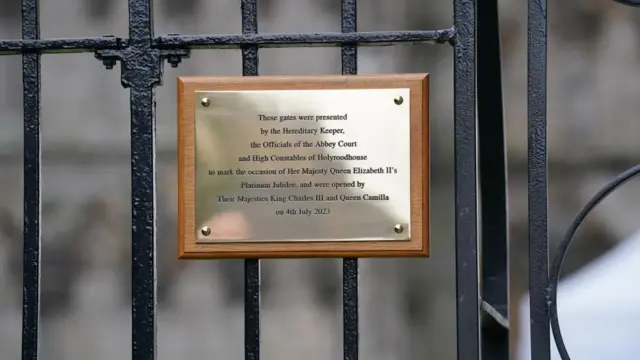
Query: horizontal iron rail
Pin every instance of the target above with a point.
(374, 38)
(13, 47)
(232, 41)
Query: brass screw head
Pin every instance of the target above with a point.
(206, 231)
(398, 100)
(205, 102)
(398, 228)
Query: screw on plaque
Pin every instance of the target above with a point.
(206, 231)
(398, 100)
(398, 228)
(205, 102)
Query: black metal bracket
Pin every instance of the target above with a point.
(131, 54)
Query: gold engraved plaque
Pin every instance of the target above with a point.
(301, 167)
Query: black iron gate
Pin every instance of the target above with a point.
(482, 301)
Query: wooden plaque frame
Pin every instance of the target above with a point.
(417, 246)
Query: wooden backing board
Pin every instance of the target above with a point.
(417, 246)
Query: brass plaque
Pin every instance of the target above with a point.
(303, 165)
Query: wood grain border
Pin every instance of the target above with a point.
(418, 246)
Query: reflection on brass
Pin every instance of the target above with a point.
(398, 100)
(398, 228)
(205, 102)
(206, 231)
(303, 165)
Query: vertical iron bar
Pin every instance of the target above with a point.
(143, 234)
(350, 308)
(142, 70)
(250, 65)
(493, 185)
(32, 187)
(350, 329)
(537, 169)
(465, 181)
